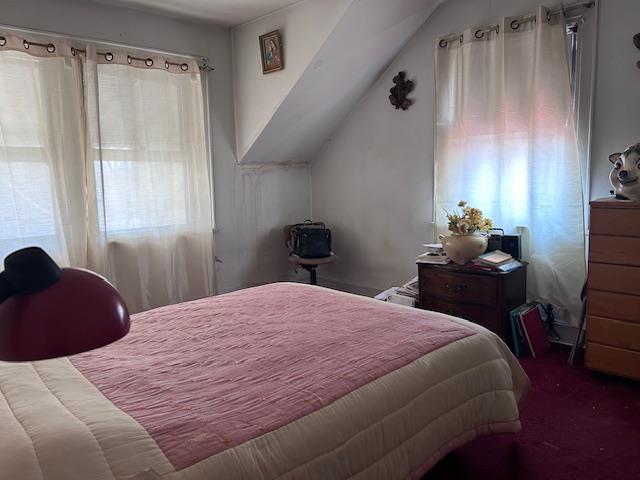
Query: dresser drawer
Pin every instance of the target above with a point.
(623, 222)
(613, 360)
(617, 250)
(613, 333)
(617, 306)
(478, 289)
(614, 278)
(485, 316)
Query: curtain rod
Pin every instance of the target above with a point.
(521, 19)
(203, 62)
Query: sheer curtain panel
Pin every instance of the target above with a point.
(42, 194)
(103, 163)
(506, 142)
(147, 149)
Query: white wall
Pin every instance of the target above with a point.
(251, 205)
(617, 99)
(304, 27)
(373, 181)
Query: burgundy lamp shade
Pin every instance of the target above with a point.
(48, 312)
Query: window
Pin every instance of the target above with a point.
(143, 158)
(103, 163)
(31, 143)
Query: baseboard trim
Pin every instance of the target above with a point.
(347, 287)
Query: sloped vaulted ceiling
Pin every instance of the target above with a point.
(223, 12)
(360, 47)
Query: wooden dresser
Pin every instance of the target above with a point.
(613, 297)
(482, 297)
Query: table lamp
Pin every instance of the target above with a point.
(49, 312)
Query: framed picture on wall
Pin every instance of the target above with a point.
(271, 50)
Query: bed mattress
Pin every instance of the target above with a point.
(283, 381)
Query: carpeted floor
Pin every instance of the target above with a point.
(575, 425)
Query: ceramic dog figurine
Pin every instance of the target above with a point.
(625, 176)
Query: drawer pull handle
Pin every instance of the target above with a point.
(455, 288)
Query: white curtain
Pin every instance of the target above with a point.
(107, 169)
(42, 196)
(506, 143)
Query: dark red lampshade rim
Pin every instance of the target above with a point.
(80, 312)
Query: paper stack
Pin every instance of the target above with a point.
(406, 295)
(433, 255)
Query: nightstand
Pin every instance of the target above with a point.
(482, 297)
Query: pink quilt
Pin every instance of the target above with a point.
(208, 375)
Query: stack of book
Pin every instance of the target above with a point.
(410, 289)
(407, 294)
(528, 330)
(496, 261)
(434, 254)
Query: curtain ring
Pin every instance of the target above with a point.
(549, 16)
(108, 56)
(3, 41)
(481, 32)
(148, 62)
(25, 44)
(73, 51)
(51, 48)
(166, 65)
(129, 59)
(184, 67)
(515, 25)
(443, 43)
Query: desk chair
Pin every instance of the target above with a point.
(308, 264)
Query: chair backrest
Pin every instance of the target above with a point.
(286, 230)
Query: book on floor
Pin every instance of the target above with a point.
(533, 325)
(520, 345)
(528, 331)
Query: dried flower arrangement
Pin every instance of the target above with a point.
(469, 221)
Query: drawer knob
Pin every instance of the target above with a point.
(455, 288)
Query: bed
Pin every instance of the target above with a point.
(283, 381)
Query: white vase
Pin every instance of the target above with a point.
(462, 248)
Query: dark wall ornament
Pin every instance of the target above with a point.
(400, 91)
(636, 42)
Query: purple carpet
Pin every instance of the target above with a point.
(575, 425)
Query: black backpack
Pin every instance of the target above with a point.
(311, 240)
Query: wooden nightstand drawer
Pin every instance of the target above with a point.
(485, 316)
(614, 333)
(485, 298)
(468, 288)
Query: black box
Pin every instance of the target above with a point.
(507, 243)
